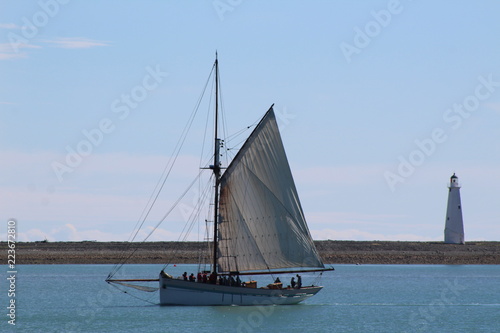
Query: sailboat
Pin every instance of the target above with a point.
(259, 228)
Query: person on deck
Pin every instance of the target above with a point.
(299, 281)
(199, 277)
(277, 280)
(213, 278)
(185, 276)
(191, 277)
(292, 282)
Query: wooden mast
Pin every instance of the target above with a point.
(216, 166)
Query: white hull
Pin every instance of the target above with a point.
(180, 292)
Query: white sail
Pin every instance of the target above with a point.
(261, 224)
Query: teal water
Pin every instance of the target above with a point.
(364, 298)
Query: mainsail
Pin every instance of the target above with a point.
(261, 222)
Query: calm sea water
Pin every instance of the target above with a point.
(365, 298)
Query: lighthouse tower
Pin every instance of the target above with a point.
(454, 228)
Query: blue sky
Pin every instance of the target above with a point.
(379, 103)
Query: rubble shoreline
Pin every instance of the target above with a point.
(332, 252)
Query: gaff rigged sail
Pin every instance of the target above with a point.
(261, 223)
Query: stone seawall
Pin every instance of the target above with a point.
(332, 252)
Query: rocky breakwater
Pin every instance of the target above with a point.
(332, 252)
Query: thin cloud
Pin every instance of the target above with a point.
(7, 52)
(7, 56)
(9, 26)
(76, 43)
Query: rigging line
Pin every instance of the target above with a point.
(173, 206)
(223, 115)
(237, 134)
(205, 253)
(237, 145)
(132, 295)
(125, 258)
(196, 212)
(169, 167)
(192, 219)
(201, 201)
(207, 121)
(177, 150)
(206, 125)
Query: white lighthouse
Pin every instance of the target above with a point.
(454, 228)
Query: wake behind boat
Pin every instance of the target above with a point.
(259, 229)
